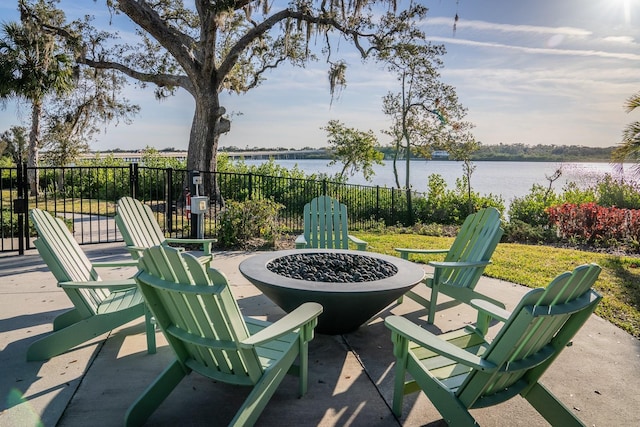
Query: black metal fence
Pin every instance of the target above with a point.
(87, 195)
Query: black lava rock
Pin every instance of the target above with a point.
(332, 267)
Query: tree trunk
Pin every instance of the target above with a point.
(33, 174)
(206, 128)
(395, 164)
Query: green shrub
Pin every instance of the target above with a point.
(9, 226)
(574, 194)
(248, 224)
(444, 206)
(516, 231)
(531, 208)
(616, 192)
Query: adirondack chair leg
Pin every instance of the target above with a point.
(262, 392)
(482, 323)
(150, 326)
(452, 410)
(433, 303)
(550, 407)
(398, 389)
(155, 394)
(303, 371)
(58, 342)
(67, 318)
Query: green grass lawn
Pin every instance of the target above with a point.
(536, 266)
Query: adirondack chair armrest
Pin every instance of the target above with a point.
(445, 264)
(102, 284)
(107, 264)
(302, 315)
(490, 309)
(361, 244)
(206, 243)
(135, 250)
(301, 242)
(426, 339)
(404, 252)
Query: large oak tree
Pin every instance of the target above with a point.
(209, 46)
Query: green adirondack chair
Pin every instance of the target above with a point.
(140, 229)
(460, 370)
(325, 226)
(99, 305)
(458, 274)
(201, 320)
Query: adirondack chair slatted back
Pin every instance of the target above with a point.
(66, 260)
(325, 224)
(476, 241)
(137, 224)
(539, 328)
(198, 314)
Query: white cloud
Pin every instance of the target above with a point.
(509, 28)
(537, 50)
(620, 39)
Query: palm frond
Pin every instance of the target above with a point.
(632, 102)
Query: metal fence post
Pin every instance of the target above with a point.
(21, 206)
(133, 180)
(169, 203)
(393, 206)
(377, 203)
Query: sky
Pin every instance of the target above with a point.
(528, 71)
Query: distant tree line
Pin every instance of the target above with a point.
(531, 153)
(499, 152)
(542, 153)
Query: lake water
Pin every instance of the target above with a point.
(507, 179)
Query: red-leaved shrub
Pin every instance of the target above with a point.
(594, 224)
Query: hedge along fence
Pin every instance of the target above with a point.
(593, 224)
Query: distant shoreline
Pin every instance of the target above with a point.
(488, 153)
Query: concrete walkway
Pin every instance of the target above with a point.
(350, 378)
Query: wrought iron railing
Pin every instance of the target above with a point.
(87, 196)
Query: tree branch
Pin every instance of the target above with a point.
(181, 46)
(161, 80)
(262, 28)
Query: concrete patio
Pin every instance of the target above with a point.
(350, 378)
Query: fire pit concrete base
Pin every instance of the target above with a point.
(347, 306)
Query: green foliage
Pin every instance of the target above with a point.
(517, 231)
(356, 150)
(106, 161)
(13, 144)
(241, 224)
(152, 158)
(572, 193)
(444, 206)
(91, 182)
(542, 153)
(531, 208)
(616, 192)
(629, 148)
(9, 225)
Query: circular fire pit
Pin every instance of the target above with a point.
(351, 286)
